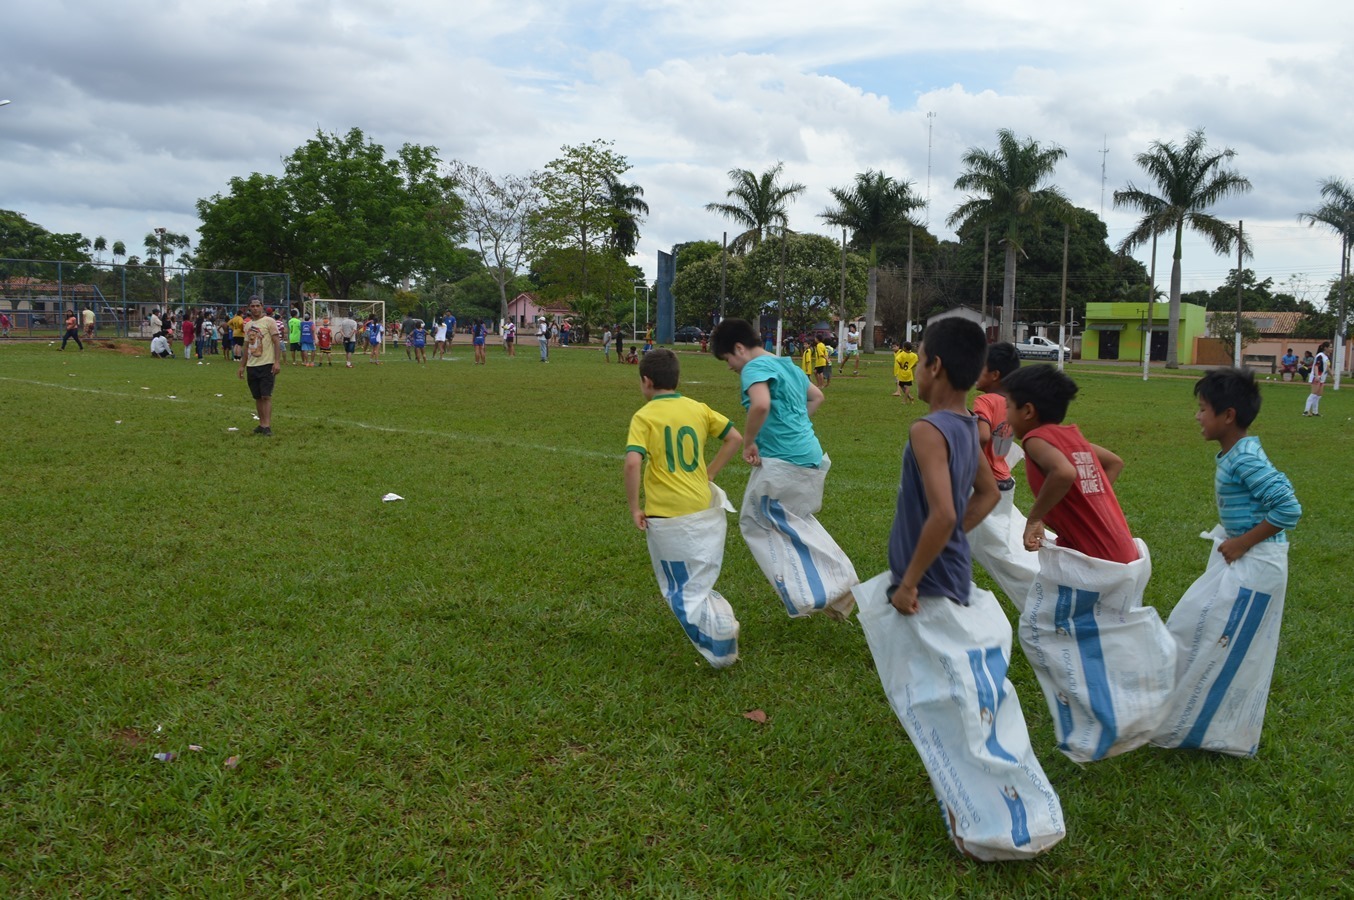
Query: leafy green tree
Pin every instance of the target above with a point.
(689, 252)
(875, 210)
(499, 212)
(1223, 327)
(812, 279)
(757, 203)
(1188, 180)
(695, 289)
(1005, 194)
(119, 249)
(100, 247)
(342, 214)
(576, 211)
(21, 239)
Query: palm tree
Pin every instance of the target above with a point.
(628, 207)
(161, 242)
(1005, 194)
(100, 245)
(1189, 179)
(877, 209)
(1337, 214)
(119, 249)
(759, 203)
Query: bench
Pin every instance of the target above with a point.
(1261, 361)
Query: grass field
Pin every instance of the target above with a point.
(478, 691)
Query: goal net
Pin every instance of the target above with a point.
(337, 311)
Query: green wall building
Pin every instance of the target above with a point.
(1115, 331)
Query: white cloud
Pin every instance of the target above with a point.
(125, 115)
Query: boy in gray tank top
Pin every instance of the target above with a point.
(928, 551)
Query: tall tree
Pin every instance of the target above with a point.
(343, 214)
(1336, 213)
(100, 245)
(576, 203)
(159, 244)
(812, 279)
(119, 249)
(498, 214)
(1008, 193)
(759, 203)
(1189, 179)
(875, 209)
(627, 209)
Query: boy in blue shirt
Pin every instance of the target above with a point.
(1255, 500)
(785, 491)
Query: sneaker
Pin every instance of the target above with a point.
(258, 429)
(264, 432)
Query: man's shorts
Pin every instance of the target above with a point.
(820, 369)
(294, 345)
(349, 346)
(307, 347)
(261, 380)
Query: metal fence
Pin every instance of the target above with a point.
(37, 295)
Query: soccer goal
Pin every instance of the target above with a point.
(338, 310)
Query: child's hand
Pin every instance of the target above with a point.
(641, 521)
(904, 600)
(1233, 549)
(1034, 534)
(750, 454)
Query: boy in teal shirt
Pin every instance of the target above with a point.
(785, 491)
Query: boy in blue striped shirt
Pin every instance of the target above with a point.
(1255, 500)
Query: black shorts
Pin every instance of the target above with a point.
(295, 346)
(260, 380)
(349, 346)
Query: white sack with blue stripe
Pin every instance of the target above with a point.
(1226, 628)
(1106, 663)
(797, 555)
(687, 553)
(998, 545)
(944, 672)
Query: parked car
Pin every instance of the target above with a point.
(1037, 347)
(688, 334)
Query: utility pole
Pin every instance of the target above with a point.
(1236, 339)
(1151, 296)
(723, 274)
(930, 122)
(841, 324)
(987, 240)
(1062, 304)
(909, 285)
(1104, 154)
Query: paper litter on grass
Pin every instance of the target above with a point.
(232, 429)
(389, 497)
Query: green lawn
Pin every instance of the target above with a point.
(478, 691)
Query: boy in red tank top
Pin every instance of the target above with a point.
(1072, 479)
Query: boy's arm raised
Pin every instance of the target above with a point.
(933, 461)
(1059, 476)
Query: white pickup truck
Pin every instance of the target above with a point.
(1037, 347)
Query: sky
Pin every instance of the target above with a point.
(124, 115)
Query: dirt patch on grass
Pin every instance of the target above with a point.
(127, 737)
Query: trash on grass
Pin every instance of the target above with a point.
(231, 762)
(166, 757)
(196, 748)
(756, 715)
(389, 497)
(232, 429)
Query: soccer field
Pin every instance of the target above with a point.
(478, 690)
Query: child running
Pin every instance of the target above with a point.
(683, 514)
(418, 337)
(998, 541)
(904, 365)
(1072, 479)
(807, 568)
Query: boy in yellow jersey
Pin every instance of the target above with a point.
(904, 367)
(806, 363)
(683, 512)
(822, 362)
